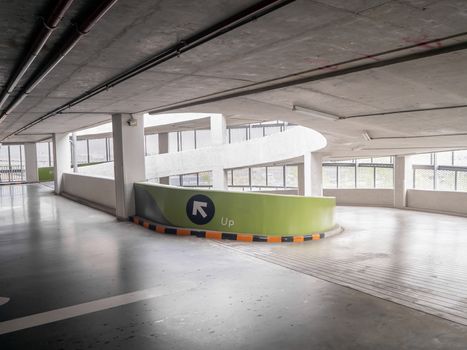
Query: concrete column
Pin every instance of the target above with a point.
(403, 180)
(301, 179)
(312, 174)
(62, 158)
(219, 179)
(128, 143)
(30, 155)
(74, 160)
(218, 129)
(218, 137)
(164, 148)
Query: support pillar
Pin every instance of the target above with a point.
(128, 143)
(164, 148)
(218, 137)
(62, 158)
(312, 174)
(30, 155)
(403, 180)
(74, 160)
(219, 179)
(301, 179)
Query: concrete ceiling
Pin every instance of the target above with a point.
(406, 106)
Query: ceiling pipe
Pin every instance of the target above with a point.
(243, 17)
(48, 26)
(79, 31)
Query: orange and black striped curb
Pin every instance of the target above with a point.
(223, 235)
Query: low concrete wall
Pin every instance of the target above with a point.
(93, 189)
(364, 197)
(239, 212)
(439, 201)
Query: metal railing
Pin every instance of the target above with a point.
(13, 173)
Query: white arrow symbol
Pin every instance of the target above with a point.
(198, 207)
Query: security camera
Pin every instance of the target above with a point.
(132, 122)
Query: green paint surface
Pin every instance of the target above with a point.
(242, 212)
(46, 174)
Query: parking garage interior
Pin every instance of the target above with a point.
(274, 174)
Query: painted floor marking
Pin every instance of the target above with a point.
(4, 300)
(83, 309)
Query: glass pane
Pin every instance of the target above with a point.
(81, 152)
(190, 180)
(256, 131)
(15, 156)
(240, 177)
(291, 176)
(205, 178)
(460, 158)
(444, 158)
(462, 181)
(276, 176)
(152, 144)
(203, 138)
(188, 140)
(173, 142)
(424, 179)
(229, 177)
(446, 180)
(346, 177)
(258, 176)
(329, 177)
(42, 150)
(422, 159)
(384, 178)
(97, 151)
(174, 180)
(237, 135)
(269, 130)
(365, 177)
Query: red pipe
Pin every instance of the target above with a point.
(48, 26)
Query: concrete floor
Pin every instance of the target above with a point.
(199, 294)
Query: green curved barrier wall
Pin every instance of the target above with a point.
(240, 212)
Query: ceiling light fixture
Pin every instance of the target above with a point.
(314, 113)
(366, 136)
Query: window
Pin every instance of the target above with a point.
(82, 151)
(151, 146)
(12, 167)
(291, 176)
(97, 150)
(258, 177)
(44, 152)
(241, 177)
(443, 171)
(188, 140)
(275, 176)
(237, 135)
(359, 173)
(203, 138)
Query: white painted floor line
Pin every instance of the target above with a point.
(83, 309)
(4, 300)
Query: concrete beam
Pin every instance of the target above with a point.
(129, 167)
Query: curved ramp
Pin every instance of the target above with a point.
(279, 147)
(240, 212)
